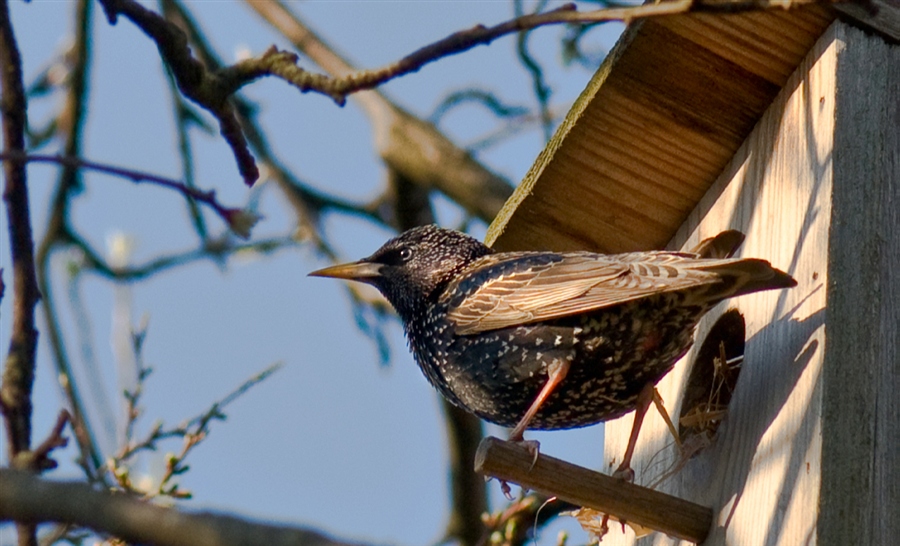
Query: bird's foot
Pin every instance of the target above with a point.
(532, 446)
(625, 473)
(507, 491)
(604, 528)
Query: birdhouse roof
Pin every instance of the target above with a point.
(656, 125)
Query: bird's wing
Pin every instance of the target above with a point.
(503, 292)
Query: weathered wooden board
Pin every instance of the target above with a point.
(882, 16)
(761, 474)
(861, 380)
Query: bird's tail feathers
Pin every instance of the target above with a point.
(745, 276)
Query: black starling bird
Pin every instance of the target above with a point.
(552, 340)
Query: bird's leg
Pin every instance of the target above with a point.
(658, 402)
(556, 373)
(643, 403)
(647, 395)
(624, 471)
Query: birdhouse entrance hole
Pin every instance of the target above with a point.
(712, 381)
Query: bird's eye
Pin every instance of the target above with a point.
(395, 256)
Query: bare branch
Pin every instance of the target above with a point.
(26, 498)
(212, 89)
(39, 458)
(542, 91)
(240, 221)
(207, 89)
(18, 370)
(70, 124)
(184, 117)
(213, 249)
(468, 491)
(339, 87)
(479, 96)
(308, 203)
(510, 128)
(192, 432)
(409, 145)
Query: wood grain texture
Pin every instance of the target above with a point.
(654, 128)
(512, 462)
(761, 474)
(861, 413)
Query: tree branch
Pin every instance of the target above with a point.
(212, 89)
(308, 203)
(70, 121)
(39, 458)
(468, 490)
(340, 86)
(24, 497)
(192, 433)
(542, 91)
(18, 371)
(238, 220)
(211, 249)
(207, 89)
(185, 117)
(412, 147)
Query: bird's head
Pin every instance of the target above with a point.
(412, 268)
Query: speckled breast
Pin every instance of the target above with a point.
(612, 354)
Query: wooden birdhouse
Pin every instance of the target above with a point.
(784, 125)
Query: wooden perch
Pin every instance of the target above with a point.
(509, 461)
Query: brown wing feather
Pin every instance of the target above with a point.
(579, 282)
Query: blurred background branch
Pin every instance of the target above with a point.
(24, 497)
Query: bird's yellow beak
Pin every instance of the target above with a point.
(355, 271)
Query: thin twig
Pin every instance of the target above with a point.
(54, 440)
(240, 221)
(510, 128)
(478, 96)
(70, 123)
(542, 91)
(517, 523)
(214, 249)
(192, 432)
(90, 460)
(184, 117)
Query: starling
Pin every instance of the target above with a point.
(552, 340)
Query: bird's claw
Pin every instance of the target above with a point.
(507, 491)
(533, 447)
(624, 473)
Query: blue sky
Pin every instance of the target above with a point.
(334, 439)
